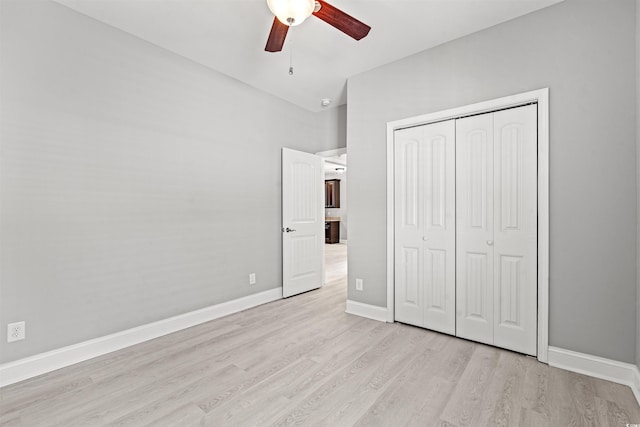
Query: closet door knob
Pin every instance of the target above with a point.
(490, 242)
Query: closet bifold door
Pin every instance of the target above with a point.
(424, 159)
(474, 228)
(516, 229)
(496, 228)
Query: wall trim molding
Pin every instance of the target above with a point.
(598, 367)
(22, 369)
(541, 96)
(366, 310)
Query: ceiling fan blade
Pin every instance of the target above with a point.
(276, 36)
(342, 21)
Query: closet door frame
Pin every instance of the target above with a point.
(541, 97)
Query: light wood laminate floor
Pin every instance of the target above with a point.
(303, 361)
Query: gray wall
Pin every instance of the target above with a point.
(584, 51)
(638, 178)
(336, 129)
(135, 184)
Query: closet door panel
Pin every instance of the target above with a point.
(425, 226)
(474, 228)
(439, 235)
(409, 226)
(515, 223)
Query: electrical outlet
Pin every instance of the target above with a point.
(252, 278)
(15, 331)
(359, 285)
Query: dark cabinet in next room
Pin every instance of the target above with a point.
(332, 193)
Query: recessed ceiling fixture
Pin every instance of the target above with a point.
(289, 13)
(325, 102)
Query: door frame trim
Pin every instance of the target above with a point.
(541, 96)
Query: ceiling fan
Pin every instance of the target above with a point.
(289, 13)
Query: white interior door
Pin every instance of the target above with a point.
(474, 228)
(496, 162)
(302, 222)
(515, 229)
(440, 227)
(409, 227)
(425, 226)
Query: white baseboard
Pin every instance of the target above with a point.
(343, 241)
(39, 364)
(365, 310)
(606, 369)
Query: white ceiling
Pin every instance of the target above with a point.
(229, 36)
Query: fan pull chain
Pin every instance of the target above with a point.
(290, 42)
(291, 61)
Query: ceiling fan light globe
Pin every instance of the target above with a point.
(291, 12)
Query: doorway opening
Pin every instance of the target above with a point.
(336, 213)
